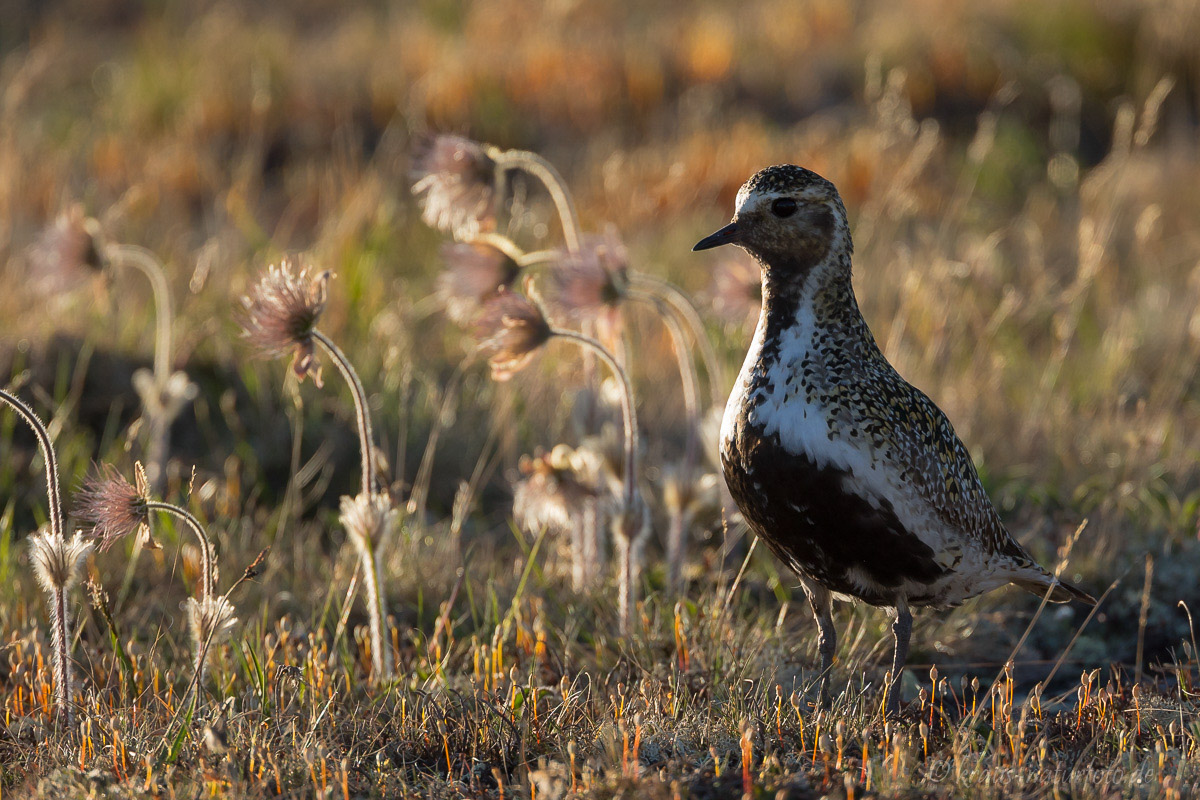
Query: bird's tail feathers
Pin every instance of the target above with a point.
(1060, 590)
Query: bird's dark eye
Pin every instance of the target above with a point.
(783, 207)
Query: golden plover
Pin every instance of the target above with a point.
(854, 478)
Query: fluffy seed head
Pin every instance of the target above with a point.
(209, 619)
(592, 283)
(58, 561)
(368, 519)
(454, 181)
(510, 329)
(115, 507)
(67, 252)
(281, 312)
(473, 275)
(551, 493)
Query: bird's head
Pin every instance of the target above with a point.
(787, 217)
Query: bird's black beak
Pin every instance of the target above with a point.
(727, 235)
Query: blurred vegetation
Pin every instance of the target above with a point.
(1020, 177)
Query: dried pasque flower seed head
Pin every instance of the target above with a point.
(551, 493)
(57, 560)
(454, 180)
(114, 506)
(473, 275)
(67, 252)
(281, 313)
(510, 329)
(592, 283)
(368, 518)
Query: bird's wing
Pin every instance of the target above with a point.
(936, 463)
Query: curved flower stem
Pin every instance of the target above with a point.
(687, 371)
(677, 529)
(376, 603)
(145, 262)
(53, 491)
(514, 253)
(500, 242)
(159, 433)
(366, 438)
(628, 412)
(685, 310)
(60, 618)
(631, 527)
(538, 257)
(545, 172)
(189, 519)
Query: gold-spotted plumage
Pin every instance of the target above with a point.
(850, 474)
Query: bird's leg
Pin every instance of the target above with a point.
(902, 630)
(827, 646)
(822, 606)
